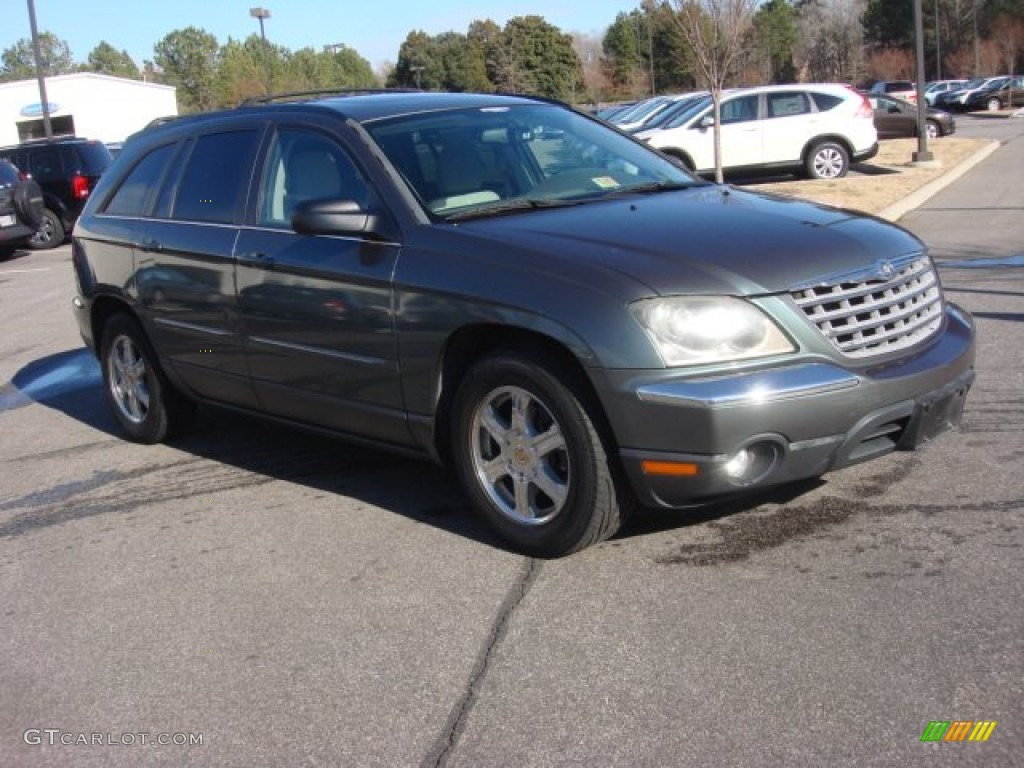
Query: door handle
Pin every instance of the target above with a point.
(150, 246)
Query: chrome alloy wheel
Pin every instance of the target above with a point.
(829, 163)
(126, 368)
(520, 456)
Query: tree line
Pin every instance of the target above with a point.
(642, 51)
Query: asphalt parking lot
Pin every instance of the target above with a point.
(285, 600)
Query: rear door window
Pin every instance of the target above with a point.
(787, 104)
(216, 177)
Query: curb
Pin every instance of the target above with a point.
(921, 195)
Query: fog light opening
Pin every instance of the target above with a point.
(752, 463)
(737, 466)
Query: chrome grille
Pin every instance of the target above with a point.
(866, 314)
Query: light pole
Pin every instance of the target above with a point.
(261, 14)
(922, 155)
(416, 73)
(43, 101)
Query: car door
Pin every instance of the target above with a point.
(184, 262)
(790, 123)
(741, 135)
(317, 311)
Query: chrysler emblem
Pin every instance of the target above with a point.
(884, 269)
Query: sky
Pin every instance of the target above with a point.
(376, 30)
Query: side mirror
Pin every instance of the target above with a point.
(894, 110)
(706, 122)
(339, 217)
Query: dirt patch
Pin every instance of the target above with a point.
(885, 179)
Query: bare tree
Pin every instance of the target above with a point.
(715, 30)
(831, 43)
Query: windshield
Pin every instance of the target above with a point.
(517, 158)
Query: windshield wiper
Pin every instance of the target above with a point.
(514, 205)
(651, 188)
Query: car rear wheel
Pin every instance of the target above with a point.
(50, 232)
(531, 460)
(827, 160)
(932, 129)
(147, 407)
(993, 105)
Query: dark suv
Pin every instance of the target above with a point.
(21, 207)
(567, 317)
(67, 169)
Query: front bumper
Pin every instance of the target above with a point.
(684, 440)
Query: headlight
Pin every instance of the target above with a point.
(709, 329)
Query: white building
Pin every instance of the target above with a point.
(84, 104)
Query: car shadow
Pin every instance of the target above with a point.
(9, 254)
(71, 383)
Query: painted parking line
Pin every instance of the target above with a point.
(23, 271)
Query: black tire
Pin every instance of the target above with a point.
(933, 129)
(550, 490)
(827, 160)
(49, 234)
(993, 104)
(681, 160)
(28, 203)
(147, 407)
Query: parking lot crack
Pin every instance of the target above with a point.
(456, 723)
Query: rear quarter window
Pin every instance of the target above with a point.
(825, 101)
(132, 195)
(92, 159)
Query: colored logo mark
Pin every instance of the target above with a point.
(958, 730)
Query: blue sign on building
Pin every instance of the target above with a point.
(36, 110)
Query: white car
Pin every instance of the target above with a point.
(814, 129)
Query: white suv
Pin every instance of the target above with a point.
(815, 129)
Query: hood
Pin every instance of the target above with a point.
(709, 239)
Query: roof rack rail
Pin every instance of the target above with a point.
(274, 98)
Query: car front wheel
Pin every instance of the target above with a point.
(932, 129)
(530, 458)
(827, 160)
(993, 105)
(145, 404)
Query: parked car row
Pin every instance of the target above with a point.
(984, 93)
(816, 130)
